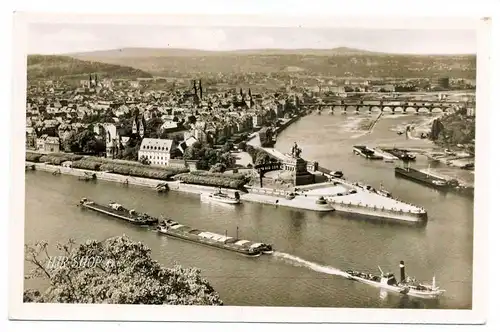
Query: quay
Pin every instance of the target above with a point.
(362, 203)
(363, 200)
(284, 198)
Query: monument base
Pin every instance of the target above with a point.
(304, 178)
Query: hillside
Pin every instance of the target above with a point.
(57, 66)
(180, 52)
(342, 62)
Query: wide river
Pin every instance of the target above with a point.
(310, 247)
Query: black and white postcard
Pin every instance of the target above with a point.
(242, 169)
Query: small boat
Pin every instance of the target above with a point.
(401, 154)
(87, 177)
(118, 211)
(384, 193)
(221, 197)
(174, 229)
(337, 174)
(162, 187)
(407, 286)
(366, 152)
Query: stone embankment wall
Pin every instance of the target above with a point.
(131, 180)
(406, 216)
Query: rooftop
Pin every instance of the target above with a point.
(156, 145)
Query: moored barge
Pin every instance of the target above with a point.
(118, 211)
(424, 178)
(245, 247)
(434, 181)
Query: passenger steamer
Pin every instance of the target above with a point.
(116, 210)
(221, 197)
(245, 247)
(407, 286)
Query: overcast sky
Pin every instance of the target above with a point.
(66, 38)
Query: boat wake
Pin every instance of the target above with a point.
(297, 261)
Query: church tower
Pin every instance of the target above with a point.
(195, 92)
(200, 89)
(141, 127)
(135, 125)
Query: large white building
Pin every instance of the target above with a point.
(156, 150)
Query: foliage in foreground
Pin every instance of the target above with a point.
(114, 271)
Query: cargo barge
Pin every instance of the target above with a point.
(366, 152)
(118, 211)
(425, 178)
(245, 247)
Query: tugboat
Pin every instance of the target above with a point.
(245, 247)
(407, 286)
(116, 210)
(221, 197)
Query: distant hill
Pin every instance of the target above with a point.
(57, 66)
(339, 62)
(180, 52)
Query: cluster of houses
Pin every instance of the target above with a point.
(55, 112)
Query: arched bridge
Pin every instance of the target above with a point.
(385, 106)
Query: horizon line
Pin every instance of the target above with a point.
(352, 49)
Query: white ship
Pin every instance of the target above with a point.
(221, 197)
(406, 286)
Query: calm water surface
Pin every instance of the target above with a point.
(311, 246)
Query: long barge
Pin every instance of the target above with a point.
(366, 152)
(245, 247)
(118, 211)
(425, 178)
